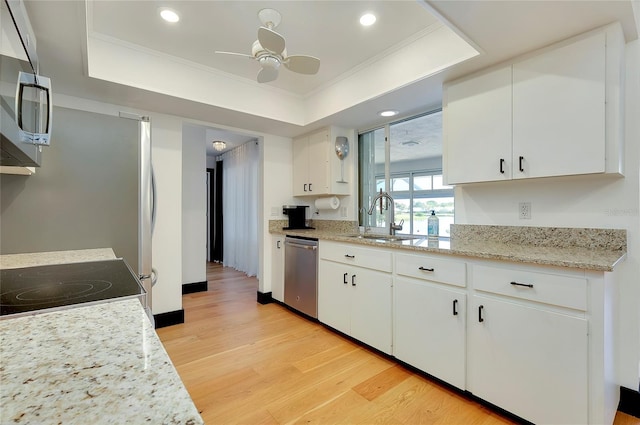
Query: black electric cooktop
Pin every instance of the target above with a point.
(46, 288)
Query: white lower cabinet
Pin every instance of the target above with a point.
(355, 300)
(277, 270)
(530, 362)
(528, 342)
(429, 329)
(536, 341)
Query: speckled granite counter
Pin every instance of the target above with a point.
(101, 364)
(15, 261)
(589, 249)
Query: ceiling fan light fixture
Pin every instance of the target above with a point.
(388, 113)
(219, 145)
(169, 15)
(367, 19)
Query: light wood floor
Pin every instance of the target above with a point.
(246, 363)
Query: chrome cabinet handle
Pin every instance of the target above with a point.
(278, 244)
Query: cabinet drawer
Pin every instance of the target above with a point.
(377, 259)
(545, 288)
(432, 268)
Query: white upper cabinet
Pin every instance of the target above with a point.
(315, 164)
(559, 111)
(477, 128)
(555, 112)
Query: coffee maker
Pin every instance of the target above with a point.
(297, 216)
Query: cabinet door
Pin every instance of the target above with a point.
(429, 329)
(559, 111)
(334, 295)
(528, 361)
(371, 307)
(277, 271)
(318, 168)
(300, 166)
(477, 128)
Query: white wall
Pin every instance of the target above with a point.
(582, 201)
(166, 139)
(276, 174)
(194, 204)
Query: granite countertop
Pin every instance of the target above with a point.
(588, 249)
(98, 364)
(15, 261)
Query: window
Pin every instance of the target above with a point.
(405, 159)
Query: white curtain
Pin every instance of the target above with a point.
(240, 208)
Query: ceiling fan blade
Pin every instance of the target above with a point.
(234, 54)
(271, 40)
(303, 64)
(267, 74)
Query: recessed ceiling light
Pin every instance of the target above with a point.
(169, 15)
(388, 113)
(367, 19)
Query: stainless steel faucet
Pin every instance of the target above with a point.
(392, 225)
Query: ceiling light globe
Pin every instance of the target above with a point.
(367, 19)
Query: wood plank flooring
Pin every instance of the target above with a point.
(246, 363)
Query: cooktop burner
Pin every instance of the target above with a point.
(61, 285)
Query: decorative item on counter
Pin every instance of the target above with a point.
(328, 203)
(433, 225)
(342, 151)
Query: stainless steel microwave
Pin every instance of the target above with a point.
(25, 99)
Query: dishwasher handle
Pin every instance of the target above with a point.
(297, 245)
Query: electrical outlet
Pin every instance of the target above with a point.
(524, 210)
(343, 212)
(275, 211)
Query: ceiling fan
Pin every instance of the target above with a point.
(270, 52)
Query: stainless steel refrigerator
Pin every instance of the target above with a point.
(94, 189)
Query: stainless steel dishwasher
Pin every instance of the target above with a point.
(301, 274)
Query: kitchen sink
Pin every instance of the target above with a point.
(384, 238)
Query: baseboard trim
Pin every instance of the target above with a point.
(190, 288)
(629, 402)
(169, 318)
(264, 297)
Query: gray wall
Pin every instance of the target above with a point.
(83, 196)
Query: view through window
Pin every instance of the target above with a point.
(404, 158)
